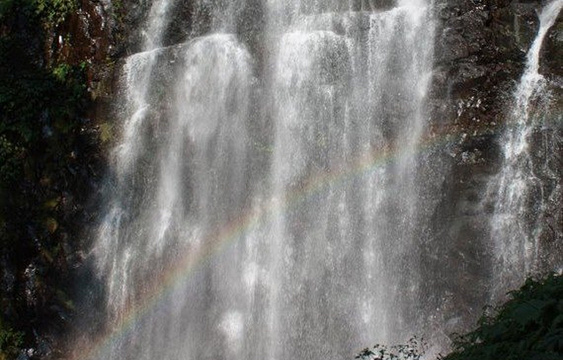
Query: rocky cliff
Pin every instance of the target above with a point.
(480, 55)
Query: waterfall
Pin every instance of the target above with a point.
(348, 88)
(527, 182)
(265, 199)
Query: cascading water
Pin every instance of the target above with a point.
(266, 195)
(527, 183)
(348, 88)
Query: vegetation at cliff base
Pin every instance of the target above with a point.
(414, 349)
(528, 326)
(10, 341)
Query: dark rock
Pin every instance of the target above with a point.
(24, 355)
(480, 53)
(451, 46)
(552, 52)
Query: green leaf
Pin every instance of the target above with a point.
(530, 311)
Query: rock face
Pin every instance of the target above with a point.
(480, 55)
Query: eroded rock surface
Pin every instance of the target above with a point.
(480, 56)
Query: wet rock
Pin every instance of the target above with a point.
(31, 285)
(84, 37)
(44, 348)
(480, 53)
(24, 355)
(552, 53)
(8, 276)
(452, 46)
(462, 36)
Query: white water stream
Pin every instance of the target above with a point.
(270, 192)
(519, 189)
(268, 212)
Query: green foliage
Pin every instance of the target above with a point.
(51, 13)
(117, 5)
(54, 11)
(41, 144)
(10, 155)
(413, 350)
(106, 132)
(5, 7)
(10, 341)
(61, 72)
(528, 326)
(38, 109)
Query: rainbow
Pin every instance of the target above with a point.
(168, 279)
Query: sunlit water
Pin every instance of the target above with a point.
(271, 192)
